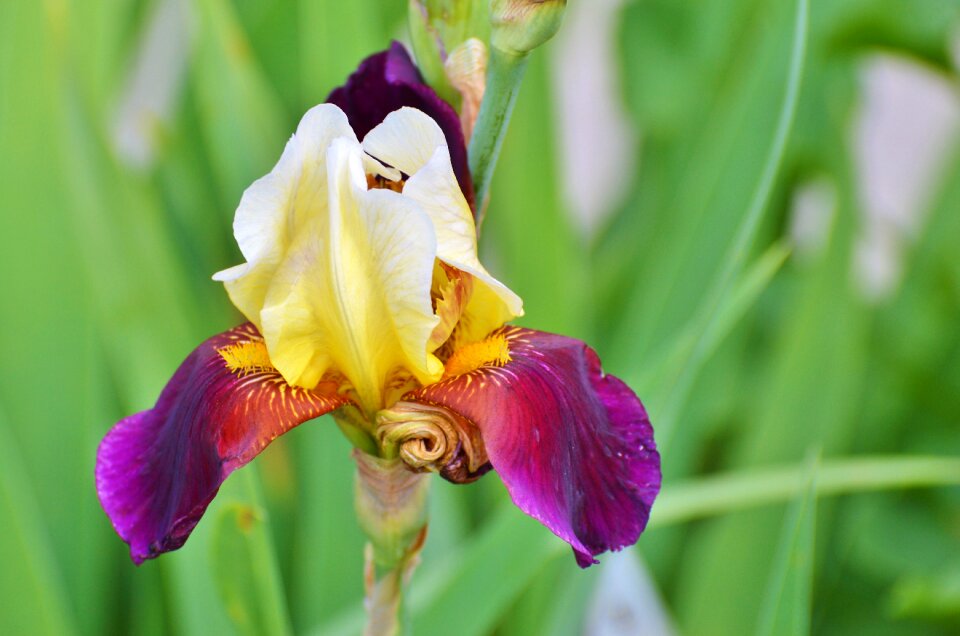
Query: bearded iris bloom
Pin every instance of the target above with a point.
(365, 297)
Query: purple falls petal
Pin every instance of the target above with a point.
(388, 81)
(159, 469)
(573, 446)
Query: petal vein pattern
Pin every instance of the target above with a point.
(158, 470)
(573, 446)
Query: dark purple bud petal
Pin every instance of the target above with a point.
(388, 81)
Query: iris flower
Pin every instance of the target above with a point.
(364, 297)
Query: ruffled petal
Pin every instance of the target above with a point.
(411, 141)
(573, 446)
(159, 469)
(277, 207)
(337, 276)
(353, 291)
(387, 81)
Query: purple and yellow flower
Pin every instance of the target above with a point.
(365, 297)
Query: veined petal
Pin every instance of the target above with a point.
(353, 291)
(387, 81)
(573, 446)
(277, 207)
(159, 469)
(411, 141)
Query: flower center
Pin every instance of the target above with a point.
(379, 182)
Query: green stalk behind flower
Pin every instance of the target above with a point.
(517, 27)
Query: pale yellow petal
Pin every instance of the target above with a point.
(485, 312)
(353, 292)
(435, 188)
(232, 273)
(274, 208)
(413, 142)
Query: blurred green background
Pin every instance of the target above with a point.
(129, 129)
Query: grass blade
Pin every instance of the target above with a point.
(786, 609)
(446, 599)
(33, 596)
(244, 566)
(743, 297)
(242, 118)
(747, 489)
(443, 597)
(709, 314)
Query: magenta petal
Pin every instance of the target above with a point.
(573, 446)
(159, 469)
(388, 81)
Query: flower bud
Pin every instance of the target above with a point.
(519, 26)
(466, 70)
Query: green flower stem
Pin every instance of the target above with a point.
(516, 28)
(391, 503)
(355, 428)
(436, 28)
(504, 74)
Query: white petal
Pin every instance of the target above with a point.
(406, 140)
(435, 188)
(413, 142)
(273, 209)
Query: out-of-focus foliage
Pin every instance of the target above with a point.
(105, 288)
